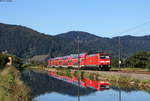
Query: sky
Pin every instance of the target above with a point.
(106, 18)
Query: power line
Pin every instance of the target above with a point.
(119, 44)
(135, 27)
(128, 30)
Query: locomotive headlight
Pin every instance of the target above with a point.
(102, 81)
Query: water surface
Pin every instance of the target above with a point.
(48, 88)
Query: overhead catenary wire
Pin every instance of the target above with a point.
(135, 27)
(119, 47)
(125, 31)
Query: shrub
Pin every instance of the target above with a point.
(3, 60)
(77, 74)
(68, 72)
(148, 66)
(16, 61)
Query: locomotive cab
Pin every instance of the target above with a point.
(104, 62)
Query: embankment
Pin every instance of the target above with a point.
(12, 88)
(120, 79)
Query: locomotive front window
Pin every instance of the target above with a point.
(104, 57)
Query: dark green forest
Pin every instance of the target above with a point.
(25, 42)
(138, 60)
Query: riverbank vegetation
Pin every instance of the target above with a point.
(122, 81)
(129, 69)
(127, 82)
(16, 61)
(12, 88)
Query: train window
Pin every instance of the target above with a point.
(104, 57)
(92, 55)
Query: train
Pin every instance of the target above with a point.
(100, 61)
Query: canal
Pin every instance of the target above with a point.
(47, 87)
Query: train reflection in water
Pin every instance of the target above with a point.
(86, 82)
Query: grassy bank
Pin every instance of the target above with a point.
(125, 82)
(131, 69)
(11, 86)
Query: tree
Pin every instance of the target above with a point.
(148, 64)
(114, 62)
(3, 60)
(138, 60)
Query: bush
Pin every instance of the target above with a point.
(16, 61)
(68, 72)
(148, 66)
(3, 60)
(77, 74)
(138, 60)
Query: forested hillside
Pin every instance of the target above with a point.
(26, 42)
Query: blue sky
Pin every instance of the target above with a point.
(105, 18)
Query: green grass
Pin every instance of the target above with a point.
(77, 74)
(128, 82)
(125, 82)
(131, 69)
(68, 72)
(11, 86)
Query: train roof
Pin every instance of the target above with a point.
(76, 55)
(71, 55)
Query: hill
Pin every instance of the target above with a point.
(90, 42)
(25, 42)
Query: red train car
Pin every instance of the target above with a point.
(101, 61)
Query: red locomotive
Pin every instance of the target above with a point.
(101, 61)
